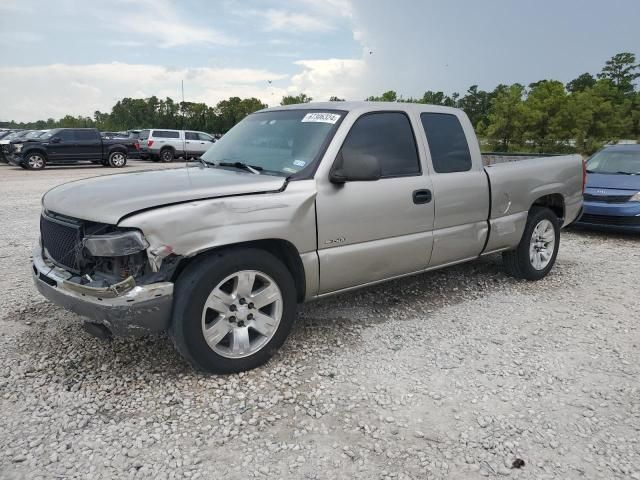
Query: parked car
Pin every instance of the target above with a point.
(5, 143)
(612, 196)
(68, 146)
(294, 203)
(165, 145)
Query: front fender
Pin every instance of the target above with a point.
(194, 227)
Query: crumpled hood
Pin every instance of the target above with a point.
(108, 198)
(620, 182)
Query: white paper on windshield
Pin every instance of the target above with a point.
(321, 117)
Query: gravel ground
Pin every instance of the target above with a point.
(453, 374)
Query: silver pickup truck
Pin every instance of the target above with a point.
(293, 204)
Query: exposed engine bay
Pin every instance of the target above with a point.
(99, 255)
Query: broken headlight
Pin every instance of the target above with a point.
(117, 244)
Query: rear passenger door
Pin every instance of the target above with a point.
(370, 231)
(192, 144)
(460, 190)
(88, 144)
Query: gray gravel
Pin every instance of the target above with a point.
(452, 374)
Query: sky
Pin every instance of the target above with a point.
(79, 56)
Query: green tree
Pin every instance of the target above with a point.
(544, 119)
(293, 99)
(581, 83)
(506, 117)
(622, 71)
(475, 103)
(336, 99)
(388, 96)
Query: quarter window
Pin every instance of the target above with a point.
(447, 142)
(388, 136)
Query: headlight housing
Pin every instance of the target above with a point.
(117, 244)
(17, 147)
(635, 198)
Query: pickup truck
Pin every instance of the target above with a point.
(293, 204)
(69, 146)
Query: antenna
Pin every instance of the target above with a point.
(182, 86)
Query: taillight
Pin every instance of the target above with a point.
(584, 175)
(149, 143)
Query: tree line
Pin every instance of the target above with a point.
(545, 116)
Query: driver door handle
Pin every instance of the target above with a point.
(421, 196)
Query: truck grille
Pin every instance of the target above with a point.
(610, 220)
(63, 241)
(607, 198)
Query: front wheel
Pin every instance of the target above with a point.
(536, 253)
(232, 310)
(35, 161)
(117, 159)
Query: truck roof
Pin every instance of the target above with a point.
(366, 106)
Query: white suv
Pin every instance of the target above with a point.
(164, 145)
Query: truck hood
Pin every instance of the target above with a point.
(620, 182)
(108, 198)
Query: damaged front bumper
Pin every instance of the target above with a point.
(126, 309)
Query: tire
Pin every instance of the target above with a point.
(166, 155)
(22, 165)
(117, 159)
(235, 345)
(35, 161)
(536, 253)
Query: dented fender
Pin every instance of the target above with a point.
(193, 227)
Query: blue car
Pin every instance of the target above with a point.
(612, 194)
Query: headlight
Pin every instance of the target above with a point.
(116, 244)
(17, 147)
(635, 198)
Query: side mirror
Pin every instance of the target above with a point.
(55, 140)
(355, 167)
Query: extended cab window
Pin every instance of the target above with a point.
(447, 142)
(85, 135)
(388, 136)
(165, 134)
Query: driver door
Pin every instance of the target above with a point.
(374, 230)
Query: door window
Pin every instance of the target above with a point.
(166, 134)
(447, 142)
(205, 138)
(191, 135)
(65, 136)
(388, 136)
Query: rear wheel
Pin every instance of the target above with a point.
(536, 253)
(35, 161)
(166, 155)
(233, 310)
(117, 159)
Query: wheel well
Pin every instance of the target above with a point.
(554, 202)
(35, 150)
(168, 147)
(281, 249)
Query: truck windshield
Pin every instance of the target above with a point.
(615, 162)
(281, 142)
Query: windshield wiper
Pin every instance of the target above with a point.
(255, 169)
(626, 173)
(203, 162)
(590, 171)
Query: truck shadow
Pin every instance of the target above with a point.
(71, 355)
